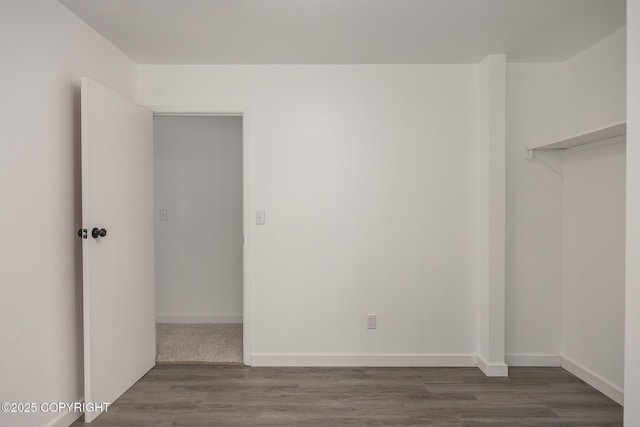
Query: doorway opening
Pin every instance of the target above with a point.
(198, 202)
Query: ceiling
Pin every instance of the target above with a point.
(349, 31)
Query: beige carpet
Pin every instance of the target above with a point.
(202, 343)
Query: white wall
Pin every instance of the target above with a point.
(594, 204)
(368, 175)
(45, 50)
(491, 215)
(198, 250)
(535, 114)
(596, 85)
(632, 310)
(594, 236)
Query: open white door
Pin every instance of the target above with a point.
(118, 272)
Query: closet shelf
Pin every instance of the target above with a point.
(596, 135)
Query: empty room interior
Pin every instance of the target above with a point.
(343, 212)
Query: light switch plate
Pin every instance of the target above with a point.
(163, 214)
(260, 217)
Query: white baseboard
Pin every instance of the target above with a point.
(65, 419)
(556, 360)
(493, 369)
(367, 360)
(537, 360)
(226, 318)
(594, 380)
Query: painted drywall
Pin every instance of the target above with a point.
(596, 85)
(594, 217)
(198, 249)
(45, 50)
(594, 239)
(535, 114)
(632, 300)
(368, 177)
(491, 256)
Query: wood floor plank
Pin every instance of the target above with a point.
(216, 395)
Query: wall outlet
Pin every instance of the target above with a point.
(371, 321)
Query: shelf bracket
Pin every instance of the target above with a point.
(530, 154)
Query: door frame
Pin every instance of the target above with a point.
(247, 305)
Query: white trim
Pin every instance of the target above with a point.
(197, 110)
(247, 254)
(493, 369)
(380, 360)
(195, 114)
(65, 419)
(539, 360)
(594, 380)
(226, 318)
(247, 208)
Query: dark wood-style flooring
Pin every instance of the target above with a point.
(214, 395)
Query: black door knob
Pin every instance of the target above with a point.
(98, 232)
